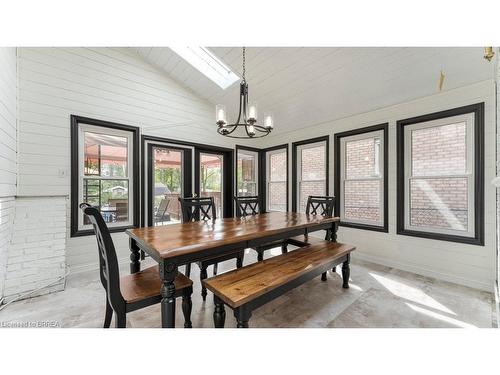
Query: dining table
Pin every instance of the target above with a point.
(174, 245)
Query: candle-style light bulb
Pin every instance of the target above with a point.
(252, 113)
(251, 130)
(268, 121)
(220, 115)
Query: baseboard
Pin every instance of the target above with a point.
(497, 304)
(476, 284)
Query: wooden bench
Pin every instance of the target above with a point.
(252, 286)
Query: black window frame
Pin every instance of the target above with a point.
(75, 167)
(337, 168)
(295, 145)
(259, 174)
(263, 177)
(478, 111)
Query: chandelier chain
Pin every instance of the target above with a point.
(244, 59)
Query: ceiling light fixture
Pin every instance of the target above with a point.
(246, 125)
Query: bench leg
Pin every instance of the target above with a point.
(242, 316)
(239, 260)
(334, 269)
(215, 268)
(187, 305)
(323, 276)
(284, 248)
(203, 276)
(219, 313)
(260, 255)
(187, 272)
(346, 271)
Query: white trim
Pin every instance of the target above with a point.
(379, 158)
(299, 150)
(469, 173)
(82, 128)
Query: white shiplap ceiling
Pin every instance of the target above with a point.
(306, 86)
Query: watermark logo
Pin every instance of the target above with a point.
(31, 324)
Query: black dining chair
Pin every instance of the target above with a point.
(203, 209)
(249, 206)
(131, 292)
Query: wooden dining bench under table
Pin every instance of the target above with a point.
(252, 286)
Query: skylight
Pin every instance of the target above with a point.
(208, 64)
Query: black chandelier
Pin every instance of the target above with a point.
(246, 125)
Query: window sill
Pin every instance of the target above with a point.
(374, 228)
(442, 237)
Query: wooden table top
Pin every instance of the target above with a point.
(178, 239)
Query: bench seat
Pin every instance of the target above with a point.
(247, 288)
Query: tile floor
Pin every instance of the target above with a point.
(379, 297)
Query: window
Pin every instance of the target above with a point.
(310, 167)
(277, 178)
(247, 171)
(208, 64)
(360, 177)
(104, 169)
(440, 175)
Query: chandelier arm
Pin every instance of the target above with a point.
(234, 128)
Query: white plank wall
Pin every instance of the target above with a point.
(8, 148)
(112, 84)
(460, 263)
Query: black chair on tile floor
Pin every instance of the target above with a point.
(131, 292)
(203, 209)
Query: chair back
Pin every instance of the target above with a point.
(108, 262)
(247, 206)
(197, 209)
(320, 205)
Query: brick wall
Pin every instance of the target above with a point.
(277, 184)
(362, 197)
(439, 202)
(37, 251)
(313, 174)
(6, 221)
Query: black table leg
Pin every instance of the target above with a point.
(135, 257)
(346, 271)
(219, 313)
(333, 237)
(242, 315)
(167, 275)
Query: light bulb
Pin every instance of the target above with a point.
(252, 113)
(268, 121)
(251, 130)
(220, 114)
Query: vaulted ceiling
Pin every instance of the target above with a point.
(306, 86)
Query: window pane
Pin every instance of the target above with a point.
(110, 196)
(277, 167)
(440, 150)
(211, 179)
(313, 163)
(439, 202)
(309, 188)
(105, 155)
(247, 174)
(361, 158)
(277, 196)
(362, 200)
(167, 187)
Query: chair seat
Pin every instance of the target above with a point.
(147, 284)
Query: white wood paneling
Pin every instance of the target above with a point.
(460, 263)
(307, 86)
(8, 127)
(112, 84)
